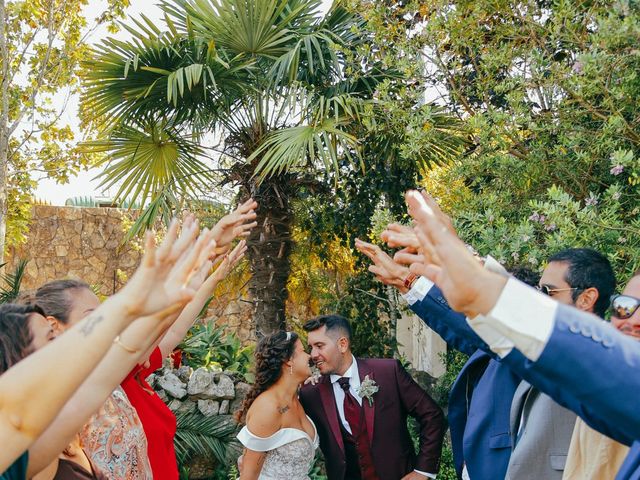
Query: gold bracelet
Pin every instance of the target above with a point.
(117, 341)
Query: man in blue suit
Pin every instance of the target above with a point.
(502, 427)
(572, 356)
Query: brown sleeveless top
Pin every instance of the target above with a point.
(68, 470)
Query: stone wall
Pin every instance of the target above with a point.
(211, 393)
(73, 242)
(88, 243)
(201, 391)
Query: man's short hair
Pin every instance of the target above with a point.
(588, 269)
(334, 323)
(525, 274)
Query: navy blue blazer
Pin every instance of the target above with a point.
(594, 370)
(484, 388)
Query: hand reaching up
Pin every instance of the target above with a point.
(161, 280)
(205, 283)
(448, 263)
(385, 269)
(230, 260)
(235, 224)
(224, 267)
(396, 235)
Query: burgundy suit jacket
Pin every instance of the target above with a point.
(391, 447)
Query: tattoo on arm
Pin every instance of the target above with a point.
(90, 323)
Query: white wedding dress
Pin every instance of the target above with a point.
(290, 452)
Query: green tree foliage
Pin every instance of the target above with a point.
(549, 94)
(549, 91)
(41, 44)
(287, 90)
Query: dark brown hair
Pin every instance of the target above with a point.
(56, 299)
(271, 353)
(334, 323)
(15, 333)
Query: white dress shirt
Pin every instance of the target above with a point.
(418, 291)
(522, 318)
(353, 375)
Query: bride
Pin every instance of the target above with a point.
(279, 439)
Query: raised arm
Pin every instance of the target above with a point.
(573, 356)
(34, 391)
(189, 314)
(118, 362)
(424, 298)
(236, 224)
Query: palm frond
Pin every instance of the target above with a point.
(261, 28)
(163, 73)
(12, 280)
(316, 54)
(445, 138)
(296, 146)
(161, 208)
(207, 436)
(142, 158)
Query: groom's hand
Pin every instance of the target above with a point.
(313, 380)
(468, 287)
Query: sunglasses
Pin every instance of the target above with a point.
(624, 306)
(550, 291)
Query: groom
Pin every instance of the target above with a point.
(360, 409)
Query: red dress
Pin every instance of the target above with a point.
(158, 422)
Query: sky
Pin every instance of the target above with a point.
(84, 184)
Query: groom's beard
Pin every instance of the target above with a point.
(319, 366)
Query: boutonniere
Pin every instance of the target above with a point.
(367, 389)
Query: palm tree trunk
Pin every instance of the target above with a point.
(269, 254)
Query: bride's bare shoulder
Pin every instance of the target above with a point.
(263, 419)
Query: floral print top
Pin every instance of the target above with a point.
(115, 441)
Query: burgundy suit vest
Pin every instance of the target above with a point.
(358, 455)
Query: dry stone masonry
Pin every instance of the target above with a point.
(88, 243)
(211, 393)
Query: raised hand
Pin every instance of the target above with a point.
(161, 280)
(205, 283)
(396, 235)
(229, 261)
(236, 224)
(407, 256)
(448, 263)
(384, 268)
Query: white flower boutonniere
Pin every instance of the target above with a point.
(367, 389)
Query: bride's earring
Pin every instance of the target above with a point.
(291, 369)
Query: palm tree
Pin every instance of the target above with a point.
(267, 78)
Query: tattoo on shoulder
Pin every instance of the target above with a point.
(283, 410)
(90, 323)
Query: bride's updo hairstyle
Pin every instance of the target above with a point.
(271, 353)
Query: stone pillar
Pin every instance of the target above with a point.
(420, 345)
